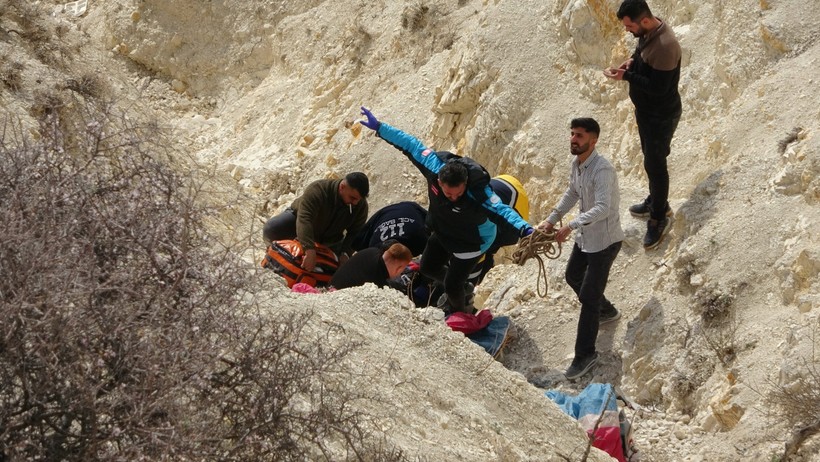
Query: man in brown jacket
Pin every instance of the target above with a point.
(330, 212)
(653, 73)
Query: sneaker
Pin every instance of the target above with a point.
(609, 316)
(443, 301)
(469, 293)
(469, 296)
(655, 231)
(443, 304)
(581, 366)
(642, 210)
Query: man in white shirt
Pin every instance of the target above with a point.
(594, 185)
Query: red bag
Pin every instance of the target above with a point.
(469, 323)
(285, 257)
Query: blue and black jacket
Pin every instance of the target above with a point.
(463, 227)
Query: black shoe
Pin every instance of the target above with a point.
(443, 303)
(643, 210)
(581, 366)
(469, 293)
(609, 316)
(469, 296)
(655, 231)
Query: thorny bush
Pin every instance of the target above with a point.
(127, 332)
(798, 402)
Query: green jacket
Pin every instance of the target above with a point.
(322, 217)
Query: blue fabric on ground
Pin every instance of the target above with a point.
(589, 401)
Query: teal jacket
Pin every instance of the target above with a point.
(463, 226)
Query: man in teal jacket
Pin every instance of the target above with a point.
(461, 202)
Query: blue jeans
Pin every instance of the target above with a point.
(587, 274)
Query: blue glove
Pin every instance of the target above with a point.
(527, 231)
(372, 122)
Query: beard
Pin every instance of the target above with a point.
(578, 149)
(640, 32)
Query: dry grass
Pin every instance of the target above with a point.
(11, 74)
(415, 16)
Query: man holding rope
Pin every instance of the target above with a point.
(461, 203)
(598, 237)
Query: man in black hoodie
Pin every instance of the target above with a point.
(403, 221)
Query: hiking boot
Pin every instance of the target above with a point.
(609, 316)
(469, 296)
(642, 210)
(469, 293)
(444, 304)
(581, 366)
(655, 231)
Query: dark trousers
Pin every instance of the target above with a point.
(656, 141)
(506, 236)
(438, 264)
(280, 227)
(587, 274)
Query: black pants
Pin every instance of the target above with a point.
(280, 227)
(587, 274)
(656, 141)
(438, 264)
(506, 236)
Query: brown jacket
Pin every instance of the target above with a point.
(655, 73)
(322, 217)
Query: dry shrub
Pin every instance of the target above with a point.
(11, 74)
(791, 137)
(415, 17)
(128, 332)
(87, 85)
(798, 402)
(719, 322)
(45, 106)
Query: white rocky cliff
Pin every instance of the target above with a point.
(724, 311)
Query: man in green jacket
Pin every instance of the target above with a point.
(330, 212)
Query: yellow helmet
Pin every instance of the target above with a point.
(512, 193)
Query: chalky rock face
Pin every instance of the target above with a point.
(266, 96)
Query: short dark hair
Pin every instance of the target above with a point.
(359, 182)
(635, 10)
(587, 123)
(453, 173)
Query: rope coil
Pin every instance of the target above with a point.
(537, 245)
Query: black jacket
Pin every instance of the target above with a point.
(363, 267)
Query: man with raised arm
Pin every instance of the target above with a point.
(461, 202)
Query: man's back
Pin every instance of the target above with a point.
(403, 221)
